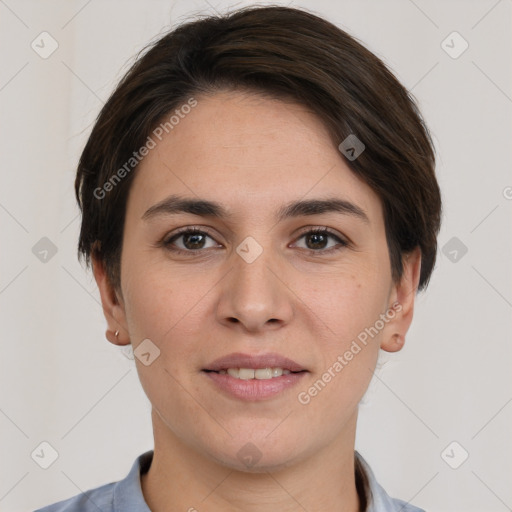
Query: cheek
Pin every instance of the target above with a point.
(348, 310)
(165, 309)
(160, 301)
(346, 304)
(333, 396)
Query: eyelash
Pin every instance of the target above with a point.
(167, 242)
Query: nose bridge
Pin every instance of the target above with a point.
(252, 263)
(253, 294)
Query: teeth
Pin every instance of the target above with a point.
(245, 373)
(260, 373)
(263, 374)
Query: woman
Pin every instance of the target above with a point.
(260, 207)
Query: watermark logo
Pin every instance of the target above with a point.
(44, 455)
(44, 45)
(454, 45)
(454, 249)
(44, 250)
(146, 352)
(352, 147)
(249, 249)
(454, 455)
(249, 455)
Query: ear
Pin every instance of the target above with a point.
(401, 303)
(113, 307)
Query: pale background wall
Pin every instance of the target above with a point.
(63, 383)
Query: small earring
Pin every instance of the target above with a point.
(116, 333)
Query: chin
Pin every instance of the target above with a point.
(266, 464)
(258, 456)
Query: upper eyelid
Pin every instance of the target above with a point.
(190, 229)
(305, 231)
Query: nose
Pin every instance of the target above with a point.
(254, 295)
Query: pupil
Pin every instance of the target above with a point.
(317, 236)
(194, 243)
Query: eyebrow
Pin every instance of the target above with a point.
(175, 204)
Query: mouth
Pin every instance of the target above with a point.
(252, 366)
(254, 377)
(254, 373)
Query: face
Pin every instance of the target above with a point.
(258, 284)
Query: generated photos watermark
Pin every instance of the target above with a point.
(304, 397)
(137, 156)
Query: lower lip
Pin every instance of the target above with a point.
(254, 389)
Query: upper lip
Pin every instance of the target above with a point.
(240, 360)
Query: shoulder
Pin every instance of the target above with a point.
(90, 501)
(384, 503)
(378, 499)
(122, 496)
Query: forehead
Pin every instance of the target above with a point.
(250, 153)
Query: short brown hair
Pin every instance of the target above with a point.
(283, 53)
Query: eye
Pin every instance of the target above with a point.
(192, 240)
(317, 240)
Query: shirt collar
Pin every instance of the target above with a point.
(128, 495)
(376, 497)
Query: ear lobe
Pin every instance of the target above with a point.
(113, 309)
(395, 344)
(402, 297)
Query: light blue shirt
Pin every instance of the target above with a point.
(126, 495)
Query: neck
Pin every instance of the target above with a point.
(180, 478)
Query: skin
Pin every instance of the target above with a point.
(258, 153)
